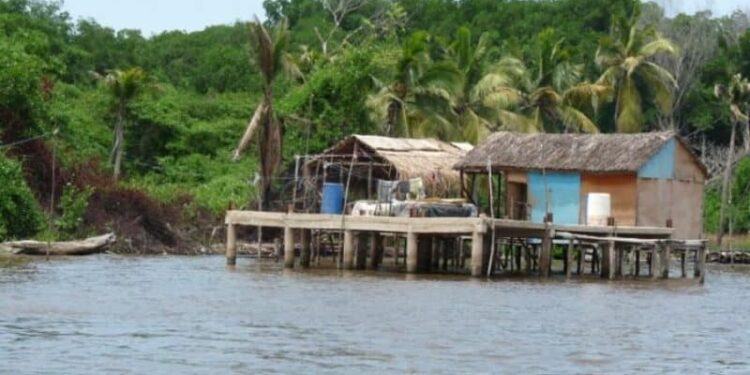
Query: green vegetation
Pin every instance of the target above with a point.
(313, 73)
(20, 214)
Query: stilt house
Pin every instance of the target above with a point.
(653, 179)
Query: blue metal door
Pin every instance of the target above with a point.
(556, 192)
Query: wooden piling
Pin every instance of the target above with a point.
(683, 261)
(699, 271)
(411, 252)
(608, 260)
(654, 268)
(361, 253)
(305, 253)
(545, 256)
(477, 253)
(424, 253)
(666, 255)
(348, 251)
(637, 262)
(569, 258)
(288, 247)
(231, 245)
(376, 250)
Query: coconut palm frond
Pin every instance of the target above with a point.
(258, 116)
(659, 45)
(576, 120)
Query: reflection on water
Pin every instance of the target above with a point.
(173, 315)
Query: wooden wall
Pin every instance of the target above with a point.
(679, 199)
(622, 190)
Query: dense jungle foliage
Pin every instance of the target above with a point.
(173, 107)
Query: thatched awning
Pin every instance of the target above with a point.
(430, 159)
(596, 153)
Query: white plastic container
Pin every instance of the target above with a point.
(598, 209)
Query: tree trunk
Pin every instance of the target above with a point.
(119, 143)
(745, 136)
(725, 185)
(270, 151)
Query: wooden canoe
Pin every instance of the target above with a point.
(88, 246)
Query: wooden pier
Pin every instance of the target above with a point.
(496, 245)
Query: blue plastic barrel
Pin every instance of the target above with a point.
(333, 199)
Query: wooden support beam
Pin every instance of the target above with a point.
(545, 256)
(424, 252)
(305, 253)
(569, 258)
(411, 252)
(655, 269)
(683, 260)
(288, 247)
(231, 245)
(362, 242)
(637, 262)
(608, 261)
(376, 250)
(477, 253)
(699, 272)
(348, 251)
(666, 257)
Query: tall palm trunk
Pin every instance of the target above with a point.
(270, 150)
(117, 148)
(725, 184)
(394, 111)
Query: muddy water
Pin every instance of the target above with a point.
(170, 315)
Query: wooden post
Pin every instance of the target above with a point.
(411, 252)
(683, 260)
(545, 257)
(362, 240)
(527, 258)
(569, 258)
(637, 262)
(665, 260)
(654, 269)
(304, 261)
(699, 271)
(477, 253)
(348, 253)
(231, 245)
(424, 253)
(376, 249)
(288, 247)
(608, 261)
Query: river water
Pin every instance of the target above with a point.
(190, 315)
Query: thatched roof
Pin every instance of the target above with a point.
(410, 157)
(598, 153)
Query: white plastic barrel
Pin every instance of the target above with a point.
(598, 209)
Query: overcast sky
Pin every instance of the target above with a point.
(154, 16)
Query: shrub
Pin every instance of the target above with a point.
(20, 214)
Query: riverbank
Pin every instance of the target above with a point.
(8, 261)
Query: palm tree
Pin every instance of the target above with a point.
(625, 60)
(487, 95)
(123, 86)
(270, 55)
(556, 94)
(419, 92)
(737, 97)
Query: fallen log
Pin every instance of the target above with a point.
(88, 246)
